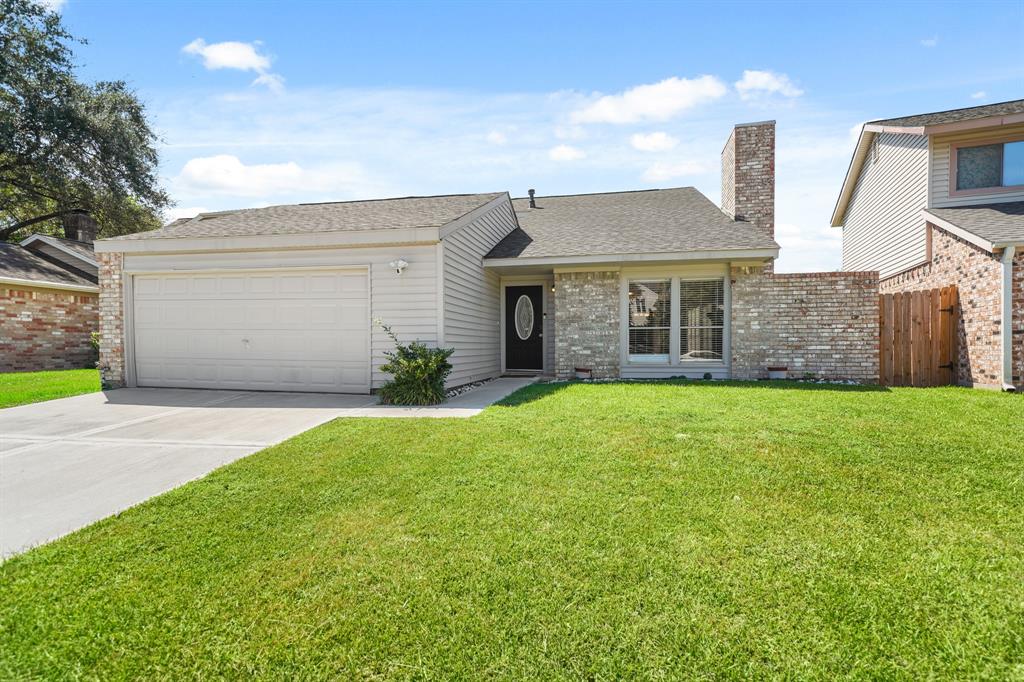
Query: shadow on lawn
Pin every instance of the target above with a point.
(534, 392)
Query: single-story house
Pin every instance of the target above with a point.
(655, 283)
(48, 304)
(934, 200)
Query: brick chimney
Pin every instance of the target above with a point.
(748, 175)
(80, 226)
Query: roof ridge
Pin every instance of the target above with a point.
(621, 191)
(946, 111)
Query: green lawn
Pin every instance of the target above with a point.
(576, 531)
(21, 388)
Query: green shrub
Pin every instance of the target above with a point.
(94, 344)
(419, 373)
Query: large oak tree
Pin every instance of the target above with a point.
(68, 147)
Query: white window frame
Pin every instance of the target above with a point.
(676, 302)
(677, 275)
(654, 358)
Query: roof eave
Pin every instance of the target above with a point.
(860, 152)
(46, 284)
(32, 238)
(632, 258)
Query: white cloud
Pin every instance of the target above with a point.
(930, 42)
(53, 5)
(226, 174)
(660, 172)
(564, 152)
(497, 137)
(655, 102)
(653, 142)
(757, 83)
(176, 212)
(980, 94)
(237, 55)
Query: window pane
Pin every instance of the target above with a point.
(978, 167)
(1013, 164)
(701, 319)
(649, 316)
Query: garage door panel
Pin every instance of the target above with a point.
(295, 331)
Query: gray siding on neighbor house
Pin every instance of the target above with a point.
(54, 254)
(883, 229)
(472, 302)
(940, 170)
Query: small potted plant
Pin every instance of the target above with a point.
(777, 372)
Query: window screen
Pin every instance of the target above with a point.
(650, 318)
(701, 319)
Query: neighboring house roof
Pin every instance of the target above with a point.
(952, 115)
(338, 216)
(18, 265)
(641, 222)
(983, 116)
(995, 225)
(81, 250)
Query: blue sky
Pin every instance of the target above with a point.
(266, 103)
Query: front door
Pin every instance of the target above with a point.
(524, 328)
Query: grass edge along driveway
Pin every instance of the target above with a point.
(672, 529)
(23, 388)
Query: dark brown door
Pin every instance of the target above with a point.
(524, 328)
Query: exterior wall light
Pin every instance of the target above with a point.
(398, 265)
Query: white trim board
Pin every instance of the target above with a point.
(38, 284)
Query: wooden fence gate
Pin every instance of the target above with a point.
(918, 338)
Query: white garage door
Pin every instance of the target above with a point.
(289, 330)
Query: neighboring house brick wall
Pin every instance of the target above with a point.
(587, 323)
(44, 329)
(977, 275)
(111, 303)
(822, 323)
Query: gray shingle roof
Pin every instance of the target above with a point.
(954, 115)
(340, 216)
(996, 223)
(17, 262)
(648, 221)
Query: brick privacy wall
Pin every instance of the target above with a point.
(1018, 320)
(111, 302)
(43, 329)
(587, 323)
(748, 175)
(820, 323)
(977, 275)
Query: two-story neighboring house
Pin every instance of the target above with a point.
(937, 199)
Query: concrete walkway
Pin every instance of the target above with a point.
(69, 462)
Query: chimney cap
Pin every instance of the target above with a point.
(755, 123)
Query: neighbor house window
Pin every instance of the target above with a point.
(990, 166)
(701, 319)
(650, 319)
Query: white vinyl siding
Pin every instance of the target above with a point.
(472, 296)
(408, 302)
(883, 229)
(53, 253)
(940, 168)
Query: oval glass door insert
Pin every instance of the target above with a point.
(524, 317)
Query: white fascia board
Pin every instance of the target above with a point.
(900, 130)
(958, 231)
(14, 281)
(860, 152)
(725, 254)
(307, 240)
(468, 218)
(57, 245)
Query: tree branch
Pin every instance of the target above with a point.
(11, 229)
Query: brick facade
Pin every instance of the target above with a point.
(111, 304)
(43, 329)
(748, 175)
(821, 324)
(587, 323)
(978, 277)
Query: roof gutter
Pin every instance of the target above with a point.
(42, 284)
(1006, 325)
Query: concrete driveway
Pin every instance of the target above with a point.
(69, 462)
